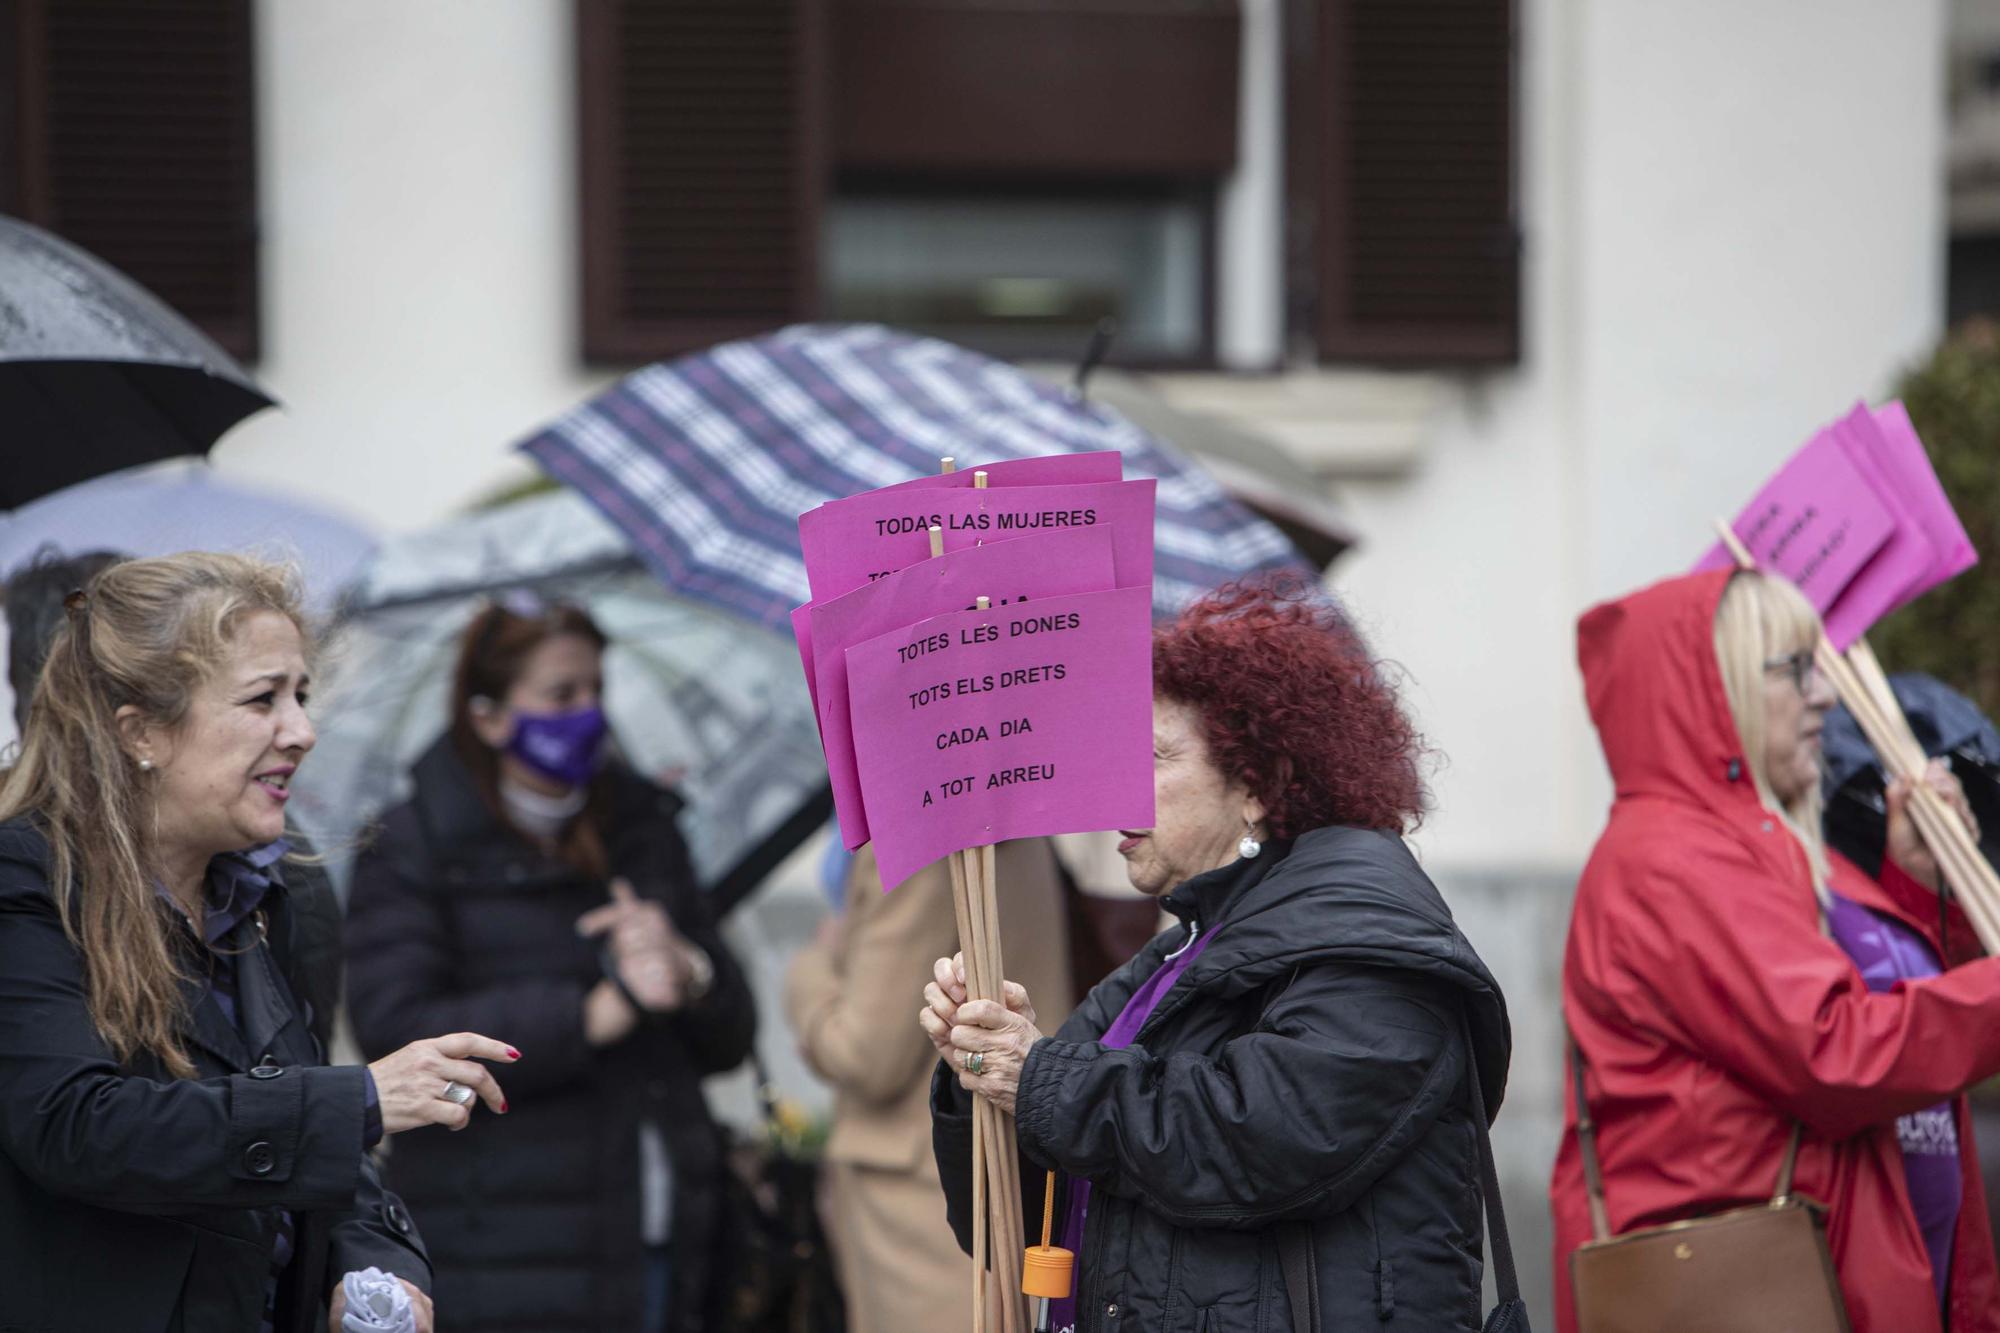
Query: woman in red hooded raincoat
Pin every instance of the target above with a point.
(1726, 977)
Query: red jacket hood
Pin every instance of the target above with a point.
(1656, 696)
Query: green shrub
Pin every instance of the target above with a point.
(1953, 631)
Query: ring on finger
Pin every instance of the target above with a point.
(457, 1093)
(974, 1064)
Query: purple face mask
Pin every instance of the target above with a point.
(563, 747)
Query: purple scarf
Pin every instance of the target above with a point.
(1062, 1312)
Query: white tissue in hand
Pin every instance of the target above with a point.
(376, 1303)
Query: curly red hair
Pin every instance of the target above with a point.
(1292, 703)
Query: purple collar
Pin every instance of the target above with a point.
(235, 887)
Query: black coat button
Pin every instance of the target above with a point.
(259, 1158)
(267, 1071)
(399, 1221)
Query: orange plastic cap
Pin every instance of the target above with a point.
(1046, 1271)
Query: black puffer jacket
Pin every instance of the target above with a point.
(456, 924)
(1307, 1068)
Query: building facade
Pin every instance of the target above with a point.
(1540, 290)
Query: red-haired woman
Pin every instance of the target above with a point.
(1281, 1083)
(530, 882)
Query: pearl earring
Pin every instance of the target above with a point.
(145, 765)
(1249, 847)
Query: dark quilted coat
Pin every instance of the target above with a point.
(454, 924)
(1306, 1075)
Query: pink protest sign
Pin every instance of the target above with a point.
(1046, 470)
(849, 543)
(802, 634)
(1817, 522)
(1909, 471)
(1018, 722)
(1867, 473)
(1905, 560)
(1012, 573)
(1105, 465)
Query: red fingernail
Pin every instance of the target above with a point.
(513, 1054)
(503, 1108)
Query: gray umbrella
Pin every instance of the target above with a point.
(717, 701)
(98, 374)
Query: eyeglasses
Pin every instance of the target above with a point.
(1799, 666)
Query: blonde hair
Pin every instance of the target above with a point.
(145, 634)
(1760, 619)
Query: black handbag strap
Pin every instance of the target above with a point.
(1295, 1245)
(1506, 1283)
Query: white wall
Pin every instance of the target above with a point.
(1250, 237)
(1758, 257)
(1734, 222)
(419, 262)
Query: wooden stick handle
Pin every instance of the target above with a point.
(1737, 550)
(961, 902)
(1007, 1223)
(982, 1150)
(1048, 1208)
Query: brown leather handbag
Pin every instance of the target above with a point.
(1764, 1268)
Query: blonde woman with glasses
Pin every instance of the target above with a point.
(1728, 978)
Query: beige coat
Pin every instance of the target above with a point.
(853, 1000)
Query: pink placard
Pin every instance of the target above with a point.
(1905, 560)
(802, 635)
(1817, 522)
(1104, 465)
(1910, 471)
(1010, 573)
(1045, 470)
(849, 543)
(971, 730)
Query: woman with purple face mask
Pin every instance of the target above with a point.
(533, 879)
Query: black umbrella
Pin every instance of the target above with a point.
(1948, 725)
(97, 373)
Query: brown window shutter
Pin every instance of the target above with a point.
(1097, 88)
(132, 135)
(1400, 120)
(701, 170)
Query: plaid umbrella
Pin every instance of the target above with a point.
(707, 462)
(687, 687)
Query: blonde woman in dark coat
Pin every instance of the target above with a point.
(175, 1153)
